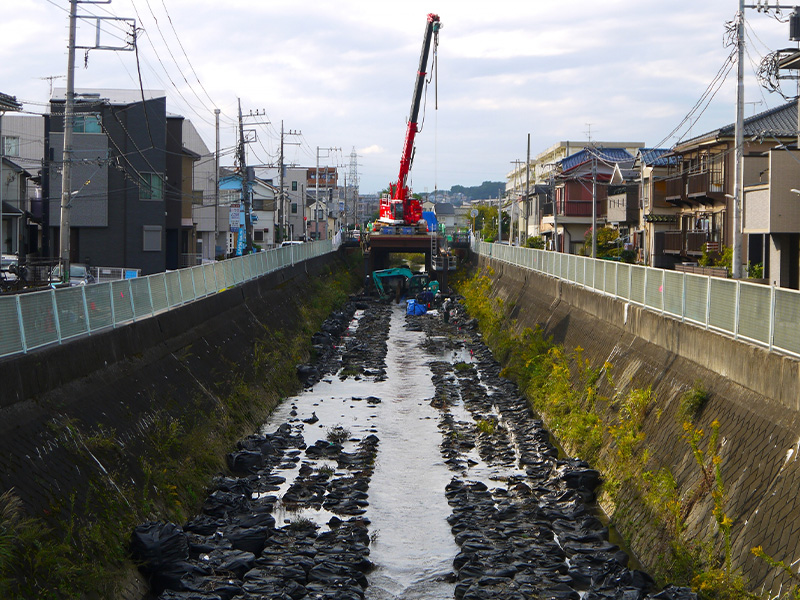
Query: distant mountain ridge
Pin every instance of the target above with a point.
(488, 189)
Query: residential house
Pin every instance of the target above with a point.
(295, 184)
(14, 182)
(656, 215)
(119, 178)
(445, 216)
(581, 176)
(701, 183)
(263, 210)
(21, 156)
(541, 171)
(771, 218)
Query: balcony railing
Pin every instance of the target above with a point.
(676, 187)
(576, 208)
(685, 242)
(707, 183)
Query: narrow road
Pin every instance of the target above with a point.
(408, 468)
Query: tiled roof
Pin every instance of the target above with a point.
(611, 155)
(9, 102)
(654, 157)
(444, 208)
(777, 122)
(651, 218)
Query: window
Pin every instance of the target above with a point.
(87, 123)
(151, 187)
(151, 238)
(320, 214)
(294, 186)
(258, 235)
(10, 145)
(294, 208)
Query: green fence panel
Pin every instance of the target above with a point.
(71, 312)
(99, 306)
(722, 309)
(10, 332)
(754, 311)
(38, 319)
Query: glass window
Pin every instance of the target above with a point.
(151, 238)
(294, 208)
(151, 187)
(10, 145)
(87, 123)
(294, 186)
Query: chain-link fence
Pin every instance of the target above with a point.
(33, 320)
(765, 315)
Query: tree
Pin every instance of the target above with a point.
(607, 242)
(535, 241)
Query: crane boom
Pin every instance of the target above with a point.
(399, 208)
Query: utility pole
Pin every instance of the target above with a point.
(69, 118)
(738, 187)
(246, 186)
(594, 206)
(555, 207)
(738, 139)
(316, 193)
(283, 203)
(527, 188)
(499, 217)
(216, 182)
(66, 166)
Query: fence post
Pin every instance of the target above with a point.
(736, 310)
(663, 281)
(646, 281)
(771, 316)
(21, 325)
(55, 314)
(708, 301)
(630, 283)
(683, 299)
(130, 300)
(113, 311)
(150, 293)
(86, 307)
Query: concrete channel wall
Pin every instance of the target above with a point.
(124, 380)
(753, 394)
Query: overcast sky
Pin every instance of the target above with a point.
(343, 72)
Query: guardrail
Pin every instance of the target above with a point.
(765, 315)
(38, 319)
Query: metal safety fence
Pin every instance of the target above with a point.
(33, 320)
(765, 315)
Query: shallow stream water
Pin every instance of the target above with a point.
(412, 546)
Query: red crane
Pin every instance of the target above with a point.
(399, 208)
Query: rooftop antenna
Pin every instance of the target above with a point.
(588, 132)
(50, 79)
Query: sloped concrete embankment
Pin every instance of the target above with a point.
(122, 383)
(753, 395)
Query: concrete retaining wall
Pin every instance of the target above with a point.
(754, 397)
(172, 366)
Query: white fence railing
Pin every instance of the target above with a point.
(31, 321)
(765, 315)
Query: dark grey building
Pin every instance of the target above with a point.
(119, 178)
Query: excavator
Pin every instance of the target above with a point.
(394, 283)
(399, 207)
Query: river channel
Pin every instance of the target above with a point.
(406, 469)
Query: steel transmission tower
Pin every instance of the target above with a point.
(352, 178)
